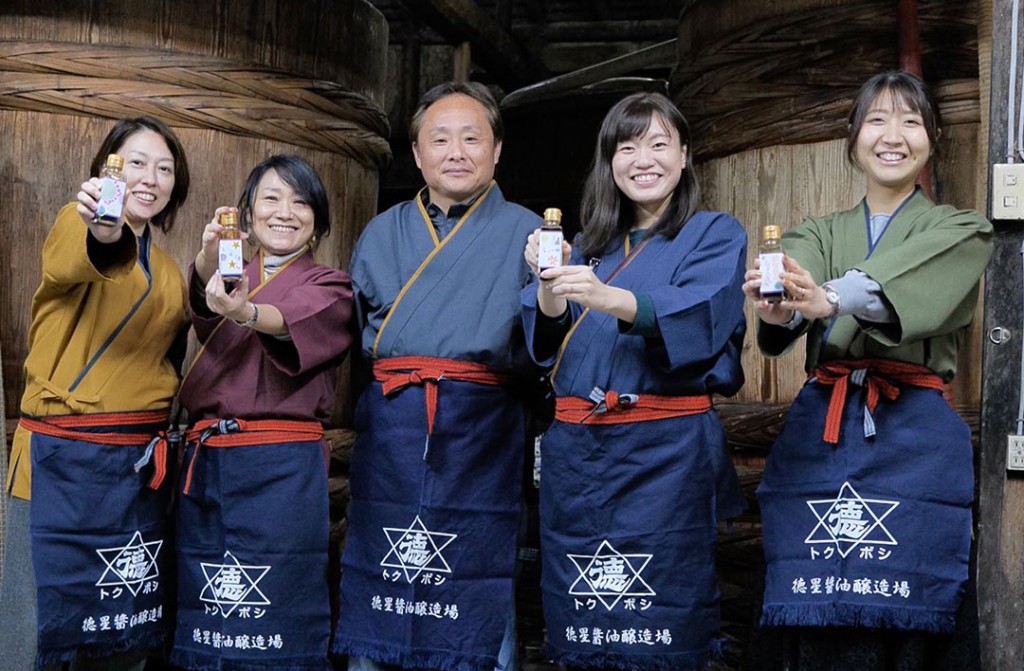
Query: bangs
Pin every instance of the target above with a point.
(903, 99)
(634, 122)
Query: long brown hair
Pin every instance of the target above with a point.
(604, 211)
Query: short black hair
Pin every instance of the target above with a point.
(474, 90)
(299, 175)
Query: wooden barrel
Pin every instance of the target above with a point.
(238, 81)
(758, 74)
(767, 87)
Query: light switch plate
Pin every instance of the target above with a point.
(1008, 191)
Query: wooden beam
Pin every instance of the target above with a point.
(1000, 545)
(494, 48)
(592, 74)
(462, 61)
(647, 30)
(564, 57)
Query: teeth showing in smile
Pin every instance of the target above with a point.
(282, 229)
(890, 157)
(645, 179)
(147, 197)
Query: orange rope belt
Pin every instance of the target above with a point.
(397, 373)
(68, 427)
(244, 433)
(611, 407)
(881, 377)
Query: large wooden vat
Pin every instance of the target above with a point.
(767, 87)
(237, 80)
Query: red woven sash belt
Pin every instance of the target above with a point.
(224, 433)
(242, 432)
(397, 373)
(69, 427)
(618, 408)
(882, 377)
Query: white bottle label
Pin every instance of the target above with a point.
(771, 274)
(110, 207)
(549, 248)
(229, 259)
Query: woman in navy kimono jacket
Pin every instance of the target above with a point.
(649, 314)
(252, 506)
(866, 496)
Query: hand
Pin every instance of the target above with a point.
(803, 293)
(578, 284)
(769, 313)
(209, 247)
(234, 304)
(210, 244)
(88, 200)
(530, 253)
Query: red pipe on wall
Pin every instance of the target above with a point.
(910, 61)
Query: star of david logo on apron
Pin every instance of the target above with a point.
(130, 565)
(849, 520)
(232, 584)
(610, 575)
(416, 549)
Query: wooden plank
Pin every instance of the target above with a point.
(613, 67)
(569, 57)
(1000, 544)
(462, 62)
(956, 186)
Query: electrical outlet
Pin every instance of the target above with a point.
(1008, 191)
(1015, 453)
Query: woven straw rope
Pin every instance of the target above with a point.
(790, 78)
(193, 91)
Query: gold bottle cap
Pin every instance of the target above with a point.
(771, 231)
(229, 218)
(115, 162)
(553, 215)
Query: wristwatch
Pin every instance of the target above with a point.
(832, 296)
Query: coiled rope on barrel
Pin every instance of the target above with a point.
(193, 91)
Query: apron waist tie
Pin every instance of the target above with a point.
(397, 373)
(70, 427)
(881, 377)
(612, 407)
(222, 433)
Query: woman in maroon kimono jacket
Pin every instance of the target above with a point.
(252, 516)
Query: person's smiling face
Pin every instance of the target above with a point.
(149, 175)
(647, 169)
(456, 150)
(892, 145)
(282, 220)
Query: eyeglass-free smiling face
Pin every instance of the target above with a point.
(149, 174)
(282, 220)
(892, 146)
(647, 170)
